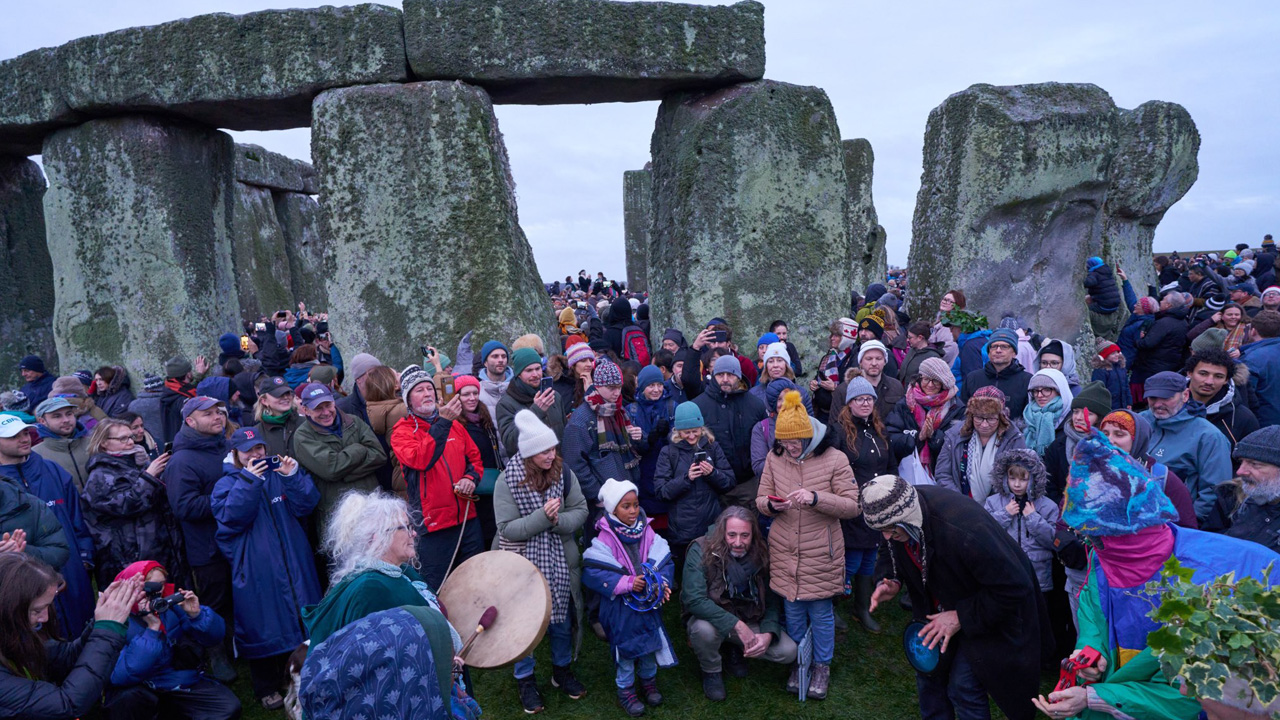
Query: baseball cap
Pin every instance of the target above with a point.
(199, 402)
(247, 438)
(11, 425)
(275, 386)
(315, 394)
(1164, 384)
(54, 403)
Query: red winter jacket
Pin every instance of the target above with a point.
(435, 456)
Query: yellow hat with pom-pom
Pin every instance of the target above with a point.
(792, 422)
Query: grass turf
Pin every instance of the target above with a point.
(870, 680)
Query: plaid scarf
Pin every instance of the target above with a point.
(1235, 337)
(545, 550)
(929, 411)
(611, 430)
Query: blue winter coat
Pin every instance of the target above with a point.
(1101, 284)
(654, 420)
(1116, 379)
(971, 356)
(1129, 334)
(37, 391)
(148, 656)
(49, 482)
(1263, 359)
(273, 571)
(1195, 451)
(189, 478)
(695, 504)
(607, 571)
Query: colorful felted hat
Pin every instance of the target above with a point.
(1111, 493)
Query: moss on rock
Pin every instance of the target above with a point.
(262, 272)
(26, 273)
(418, 210)
(31, 101)
(870, 255)
(299, 217)
(637, 220)
(259, 166)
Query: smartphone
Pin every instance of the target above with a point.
(273, 462)
(546, 383)
(427, 352)
(701, 457)
(720, 336)
(168, 448)
(244, 343)
(446, 390)
(776, 499)
(260, 327)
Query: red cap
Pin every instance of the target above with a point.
(461, 381)
(1107, 350)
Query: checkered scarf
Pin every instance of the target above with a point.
(545, 550)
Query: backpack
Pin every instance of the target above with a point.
(635, 346)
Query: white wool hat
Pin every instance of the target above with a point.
(612, 492)
(776, 350)
(872, 345)
(535, 436)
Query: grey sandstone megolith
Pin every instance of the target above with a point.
(637, 219)
(299, 217)
(138, 214)
(31, 102)
(258, 254)
(1154, 167)
(258, 71)
(870, 255)
(26, 274)
(1010, 202)
(750, 212)
(584, 51)
(418, 210)
(256, 165)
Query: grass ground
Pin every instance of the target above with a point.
(870, 680)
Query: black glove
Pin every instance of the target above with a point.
(661, 428)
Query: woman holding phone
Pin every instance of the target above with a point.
(531, 390)
(259, 504)
(691, 473)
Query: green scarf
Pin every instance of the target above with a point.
(277, 419)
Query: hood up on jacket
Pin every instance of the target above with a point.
(1024, 458)
(1068, 360)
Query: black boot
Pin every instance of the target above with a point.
(649, 692)
(530, 697)
(863, 586)
(734, 663)
(219, 665)
(564, 679)
(629, 702)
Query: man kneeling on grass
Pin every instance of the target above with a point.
(727, 599)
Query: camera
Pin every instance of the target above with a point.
(155, 601)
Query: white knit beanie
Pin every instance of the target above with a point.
(612, 492)
(872, 345)
(776, 350)
(535, 436)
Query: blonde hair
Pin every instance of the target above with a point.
(100, 432)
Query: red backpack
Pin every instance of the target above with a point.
(635, 346)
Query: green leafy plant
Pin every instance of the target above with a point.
(967, 322)
(1220, 637)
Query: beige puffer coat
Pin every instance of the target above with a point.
(806, 545)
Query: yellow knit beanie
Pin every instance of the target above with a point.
(792, 422)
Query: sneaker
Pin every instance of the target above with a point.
(530, 698)
(713, 686)
(272, 701)
(564, 679)
(629, 702)
(734, 663)
(649, 690)
(820, 677)
(793, 682)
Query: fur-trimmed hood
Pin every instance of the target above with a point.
(557, 366)
(1024, 458)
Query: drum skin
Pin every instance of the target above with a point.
(513, 585)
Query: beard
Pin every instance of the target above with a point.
(1261, 491)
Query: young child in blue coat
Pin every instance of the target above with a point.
(625, 560)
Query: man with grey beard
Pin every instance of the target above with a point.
(1249, 506)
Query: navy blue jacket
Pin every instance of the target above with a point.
(1129, 334)
(37, 391)
(654, 420)
(273, 571)
(1101, 284)
(49, 482)
(189, 478)
(148, 656)
(731, 418)
(1263, 359)
(695, 504)
(1116, 378)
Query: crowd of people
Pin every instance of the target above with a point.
(298, 509)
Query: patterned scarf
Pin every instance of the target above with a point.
(929, 411)
(628, 534)
(545, 550)
(611, 429)
(1235, 337)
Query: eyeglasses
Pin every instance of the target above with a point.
(985, 420)
(863, 400)
(121, 438)
(405, 527)
(1042, 391)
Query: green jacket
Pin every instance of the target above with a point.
(45, 538)
(338, 464)
(70, 453)
(698, 602)
(520, 397)
(1138, 689)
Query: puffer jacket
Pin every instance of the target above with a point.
(148, 657)
(1101, 284)
(435, 455)
(1034, 532)
(128, 515)
(76, 673)
(20, 510)
(1163, 347)
(806, 544)
(731, 417)
(692, 504)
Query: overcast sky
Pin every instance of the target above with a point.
(885, 66)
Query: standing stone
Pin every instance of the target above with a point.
(637, 219)
(299, 217)
(259, 166)
(26, 273)
(870, 255)
(1010, 202)
(750, 213)
(138, 215)
(541, 52)
(262, 271)
(1155, 165)
(418, 205)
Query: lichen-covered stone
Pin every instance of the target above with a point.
(258, 71)
(750, 212)
(418, 208)
(1010, 202)
(138, 216)
(543, 52)
(637, 219)
(1154, 166)
(26, 274)
(870, 255)
(256, 165)
(31, 102)
(263, 283)
(299, 217)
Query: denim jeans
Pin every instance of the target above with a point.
(561, 649)
(859, 562)
(818, 614)
(958, 696)
(645, 665)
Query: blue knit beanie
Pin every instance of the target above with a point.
(768, 339)
(1004, 335)
(649, 375)
(229, 344)
(487, 349)
(688, 416)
